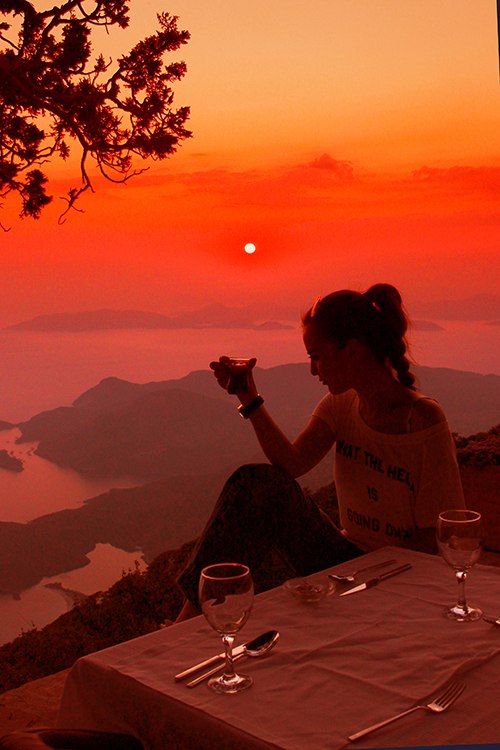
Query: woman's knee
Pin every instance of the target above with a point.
(257, 473)
(254, 485)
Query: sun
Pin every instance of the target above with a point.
(250, 248)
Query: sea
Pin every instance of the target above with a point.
(41, 371)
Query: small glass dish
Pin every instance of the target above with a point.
(308, 591)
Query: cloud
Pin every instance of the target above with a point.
(342, 169)
(484, 179)
(299, 205)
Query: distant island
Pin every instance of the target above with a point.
(425, 325)
(11, 463)
(265, 316)
(211, 316)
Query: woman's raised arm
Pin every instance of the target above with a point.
(297, 457)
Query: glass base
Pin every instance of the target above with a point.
(462, 614)
(226, 684)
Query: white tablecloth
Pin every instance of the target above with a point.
(339, 666)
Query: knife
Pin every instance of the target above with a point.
(374, 581)
(208, 662)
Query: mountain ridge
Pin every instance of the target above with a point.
(188, 425)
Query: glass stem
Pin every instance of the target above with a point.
(228, 641)
(461, 576)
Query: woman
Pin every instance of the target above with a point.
(395, 467)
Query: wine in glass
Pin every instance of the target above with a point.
(226, 599)
(459, 540)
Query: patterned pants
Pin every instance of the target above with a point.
(262, 509)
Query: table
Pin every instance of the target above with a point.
(339, 666)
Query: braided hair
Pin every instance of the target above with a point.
(376, 319)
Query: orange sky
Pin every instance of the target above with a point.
(352, 142)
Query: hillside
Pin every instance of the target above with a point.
(190, 425)
(147, 519)
(480, 450)
(137, 604)
(163, 429)
(157, 516)
(162, 433)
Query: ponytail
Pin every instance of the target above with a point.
(391, 342)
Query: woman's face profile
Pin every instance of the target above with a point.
(329, 363)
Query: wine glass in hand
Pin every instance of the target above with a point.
(459, 540)
(226, 599)
(234, 374)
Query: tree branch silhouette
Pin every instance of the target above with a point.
(55, 94)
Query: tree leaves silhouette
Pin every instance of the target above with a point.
(54, 93)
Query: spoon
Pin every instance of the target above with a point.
(258, 647)
(351, 576)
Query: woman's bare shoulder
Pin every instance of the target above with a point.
(426, 412)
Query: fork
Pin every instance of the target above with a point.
(491, 620)
(449, 696)
(351, 576)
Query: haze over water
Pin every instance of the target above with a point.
(44, 487)
(45, 370)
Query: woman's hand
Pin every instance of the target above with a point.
(236, 377)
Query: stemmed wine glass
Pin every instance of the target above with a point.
(226, 599)
(459, 540)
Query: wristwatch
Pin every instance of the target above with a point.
(245, 411)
